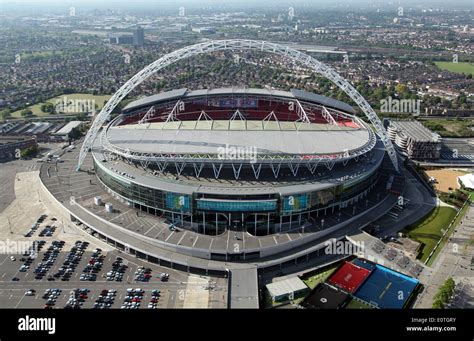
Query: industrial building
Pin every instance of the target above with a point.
(10, 145)
(136, 38)
(287, 290)
(63, 133)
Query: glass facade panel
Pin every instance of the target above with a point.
(178, 202)
(295, 203)
(144, 195)
(236, 206)
(183, 203)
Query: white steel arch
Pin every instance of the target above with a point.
(236, 44)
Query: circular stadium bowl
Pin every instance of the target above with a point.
(260, 160)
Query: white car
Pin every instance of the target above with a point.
(12, 258)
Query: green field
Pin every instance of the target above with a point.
(461, 67)
(319, 277)
(450, 127)
(456, 223)
(40, 54)
(99, 101)
(355, 304)
(430, 229)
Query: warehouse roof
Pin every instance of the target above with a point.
(68, 127)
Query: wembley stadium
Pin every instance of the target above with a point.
(259, 160)
(200, 179)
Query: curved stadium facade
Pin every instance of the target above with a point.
(253, 160)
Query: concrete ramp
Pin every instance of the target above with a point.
(243, 289)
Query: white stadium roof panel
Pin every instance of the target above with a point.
(287, 140)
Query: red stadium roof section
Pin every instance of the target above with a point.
(349, 277)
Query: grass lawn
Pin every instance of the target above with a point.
(99, 101)
(355, 304)
(320, 277)
(461, 67)
(40, 54)
(311, 281)
(430, 229)
(443, 242)
(450, 127)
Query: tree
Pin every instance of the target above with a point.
(437, 304)
(26, 112)
(5, 113)
(27, 152)
(75, 133)
(400, 88)
(444, 294)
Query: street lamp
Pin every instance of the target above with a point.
(9, 225)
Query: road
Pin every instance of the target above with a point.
(453, 261)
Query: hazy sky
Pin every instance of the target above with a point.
(29, 7)
(170, 3)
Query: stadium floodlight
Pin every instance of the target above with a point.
(235, 44)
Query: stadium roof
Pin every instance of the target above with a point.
(415, 131)
(326, 101)
(228, 188)
(145, 101)
(154, 138)
(286, 287)
(186, 93)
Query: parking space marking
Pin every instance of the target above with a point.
(4, 260)
(21, 299)
(172, 232)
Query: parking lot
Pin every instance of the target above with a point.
(178, 291)
(68, 253)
